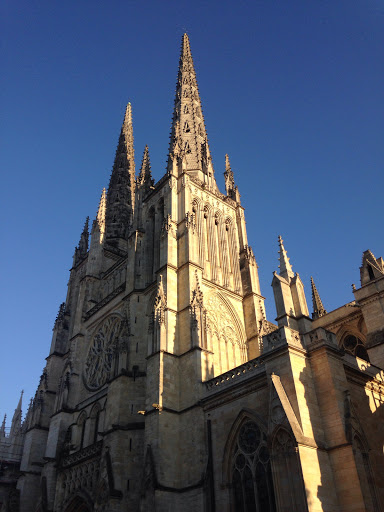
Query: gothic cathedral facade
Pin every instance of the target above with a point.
(166, 388)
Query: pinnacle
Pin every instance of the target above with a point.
(86, 225)
(318, 308)
(227, 163)
(145, 176)
(285, 267)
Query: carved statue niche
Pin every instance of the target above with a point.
(198, 316)
(157, 331)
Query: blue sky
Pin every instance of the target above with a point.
(291, 90)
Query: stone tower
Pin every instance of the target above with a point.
(166, 296)
(166, 388)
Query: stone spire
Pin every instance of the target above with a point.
(144, 178)
(189, 140)
(285, 266)
(318, 308)
(16, 420)
(230, 186)
(82, 249)
(121, 190)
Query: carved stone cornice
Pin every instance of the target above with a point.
(93, 450)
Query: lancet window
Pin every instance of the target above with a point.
(252, 485)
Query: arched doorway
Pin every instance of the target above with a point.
(78, 504)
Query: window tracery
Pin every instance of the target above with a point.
(251, 471)
(354, 346)
(98, 365)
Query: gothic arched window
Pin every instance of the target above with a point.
(353, 345)
(251, 471)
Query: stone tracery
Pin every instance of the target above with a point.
(98, 365)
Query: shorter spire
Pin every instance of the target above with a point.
(285, 267)
(318, 308)
(121, 189)
(145, 177)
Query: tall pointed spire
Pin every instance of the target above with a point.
(285, 266)
(145, 177)
(189, 139)
(318, 308)
(121, 190)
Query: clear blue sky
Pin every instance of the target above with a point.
(291, 90)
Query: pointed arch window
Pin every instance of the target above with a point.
(186, 127)
(186, 93)
(186, 109)
(251, 471)
(187, 148)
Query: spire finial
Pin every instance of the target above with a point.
(318, 308)
(189, 141)
(285, 266)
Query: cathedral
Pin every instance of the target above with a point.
(167, 389)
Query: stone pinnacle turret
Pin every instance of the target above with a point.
(318, 308)
(285, 266)
(144, 178)
(189, 141)
(82, 249)
(2, 428)
(121, 190)
(16, 420)
(230, 187)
